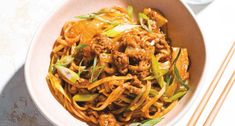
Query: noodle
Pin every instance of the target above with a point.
(110, 69)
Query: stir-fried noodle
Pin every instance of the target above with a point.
(109, 68)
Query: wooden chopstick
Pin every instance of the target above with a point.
(193, 120)
(220, 101)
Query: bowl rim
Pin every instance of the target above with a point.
(51, 119)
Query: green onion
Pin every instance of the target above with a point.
(177, 57)
(87, 16)
(130, 11)
(95, 69)
(176, 96)
(178, 78)
(168, 79)
(149, 122)
(64, 61)
(51, 67)
(158, 73)
(153, 92)
(149, 78)
(67, 74)
(135, 124)
(143, 17)
(84, 97)
(92, 16)
(102, 19)
(81, 46)
(119, 29)
(80, 65)
(99, 69)
(56, 85)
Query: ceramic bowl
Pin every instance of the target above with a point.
(183, 31)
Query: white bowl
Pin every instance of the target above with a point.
(183, 31)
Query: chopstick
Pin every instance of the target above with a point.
(193, 120)
(220, 101)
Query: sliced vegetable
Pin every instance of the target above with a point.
(158, 73)
(135, 124)
(80, 66)
(96, 70)
(81, 46)
(168, 79)
(56, 85)
(119, 29)
(104, 20)
(149, 78)
(170, 91)
(143, 17)
(178, 78)
(178, 54)
(92, 16)
(175, 96)
(87, 16)
(84, 97)
(153, 92)
(130, 11)
(67, 74)
(151, 122)
(99, 70)
(51, 67)
(64, 61)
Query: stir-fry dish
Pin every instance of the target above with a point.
(114, 68)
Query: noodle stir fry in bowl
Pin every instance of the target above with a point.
(112, 68)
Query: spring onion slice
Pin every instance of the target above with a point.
(149, 122)
(67, 74)
(93, 16)
(87, 16)
(84, 97)
(135, 124)
(130, 11)
(158, 73)
(119, 29)
(175, 96)
(143, 17)
(56, 85)
(81, 46)
(64, 61)
(178, 78)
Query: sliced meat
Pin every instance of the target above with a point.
(107, 61)
(107, 120)
(137, 54)
(142, 70)
(121, 61)
(101, 44)
(86, 54)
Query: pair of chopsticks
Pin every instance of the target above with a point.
(193, 120)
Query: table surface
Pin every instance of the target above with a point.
(21, 18)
